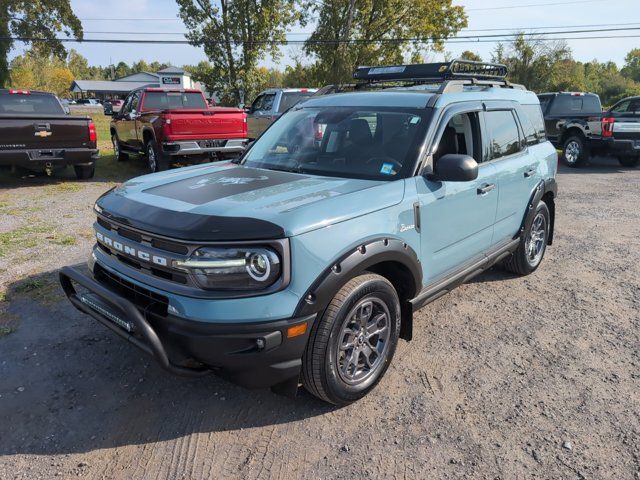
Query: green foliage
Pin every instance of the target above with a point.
(469, 55)
(548, 67)
(37, 18)
(365, 22)
(235, 36)
(34, 71)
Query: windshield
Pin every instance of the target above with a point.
(173, 100)
(366, 143)
(27, 104)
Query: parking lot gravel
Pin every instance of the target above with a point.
(506, 377)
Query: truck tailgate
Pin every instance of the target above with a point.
(19, 132)
(215, 123)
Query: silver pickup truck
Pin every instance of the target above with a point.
(270, 104)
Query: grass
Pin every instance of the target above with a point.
(30, 285)
(21, 237)
(63, 239)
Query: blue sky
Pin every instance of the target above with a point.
(482, 15)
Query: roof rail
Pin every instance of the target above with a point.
(434, 72)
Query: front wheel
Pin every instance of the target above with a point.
(574, 152)
(533, 243)
(351, 346)
(629, 161)
(117, 151)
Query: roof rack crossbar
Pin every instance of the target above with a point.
(456, 69)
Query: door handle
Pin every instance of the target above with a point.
(529, 172)
(486, 188)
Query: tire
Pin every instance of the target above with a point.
(117, 151)
(156, 162)
(629, 161)
(574, 151)
(327, 369)
(522, 260)
(84, 172)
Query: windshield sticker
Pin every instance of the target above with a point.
(387, 169)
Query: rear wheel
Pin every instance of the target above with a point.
(351, 346)
(155, 160)
(533, 243)
(629, 161)
(84, 172)
(574, 152)
(117, 151)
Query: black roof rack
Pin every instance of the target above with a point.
(434, 72)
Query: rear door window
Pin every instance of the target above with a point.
(504, 135)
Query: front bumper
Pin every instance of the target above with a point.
(203, 147)
(39, 159)
(254, 355)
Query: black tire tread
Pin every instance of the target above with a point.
(313, 358)
(516, 262)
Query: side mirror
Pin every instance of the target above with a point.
(455, 168)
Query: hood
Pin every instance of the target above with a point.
(226, 201)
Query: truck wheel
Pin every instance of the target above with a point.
(156, 162)
(574, 152)
(533, 244)
(351, 346)
(84, 172)
(119, 154)
(629, 161)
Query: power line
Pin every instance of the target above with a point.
(515, 30)
(289, 42)
(509, 7)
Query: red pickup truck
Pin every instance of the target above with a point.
(176, 125)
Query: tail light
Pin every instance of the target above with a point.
(607, 126)
(93, 135)
(245, 127)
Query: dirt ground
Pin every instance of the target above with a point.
(506, 378)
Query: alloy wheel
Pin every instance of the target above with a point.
(572, 152)
(364, 340)
(536, 241)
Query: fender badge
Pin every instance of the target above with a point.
(43, 134)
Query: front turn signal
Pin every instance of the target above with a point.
(297, 330)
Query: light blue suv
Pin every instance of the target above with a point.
(304, 261)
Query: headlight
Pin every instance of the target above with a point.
(242, 268)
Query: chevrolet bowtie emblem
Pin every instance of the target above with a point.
(43, 134)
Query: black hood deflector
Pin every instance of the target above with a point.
(184, 225)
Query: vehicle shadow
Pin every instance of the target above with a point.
(70, 386)
(597, 165)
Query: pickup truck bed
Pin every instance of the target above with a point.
(43, 139)
(177, 125)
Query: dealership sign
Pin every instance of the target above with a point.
(171, 80)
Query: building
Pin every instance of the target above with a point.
(170, 77)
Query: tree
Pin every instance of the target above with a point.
(34, 71)
(350, 33)
(37, 19)
(631, 67)
(531, 60)
(78, 65)
(236, 35)
(469, 55)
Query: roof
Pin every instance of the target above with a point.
(174, 70)
(121, 79)
(384, 98)
(106, 86)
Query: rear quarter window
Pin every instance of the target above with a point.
(533, 124)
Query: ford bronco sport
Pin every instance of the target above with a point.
(305, 260)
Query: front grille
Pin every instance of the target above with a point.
(145, 239)
(145, 300)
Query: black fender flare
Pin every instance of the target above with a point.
(543, 188)
(580, 125)
(353, 262)
(149, 131)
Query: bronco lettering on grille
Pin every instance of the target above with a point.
(132, 251)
